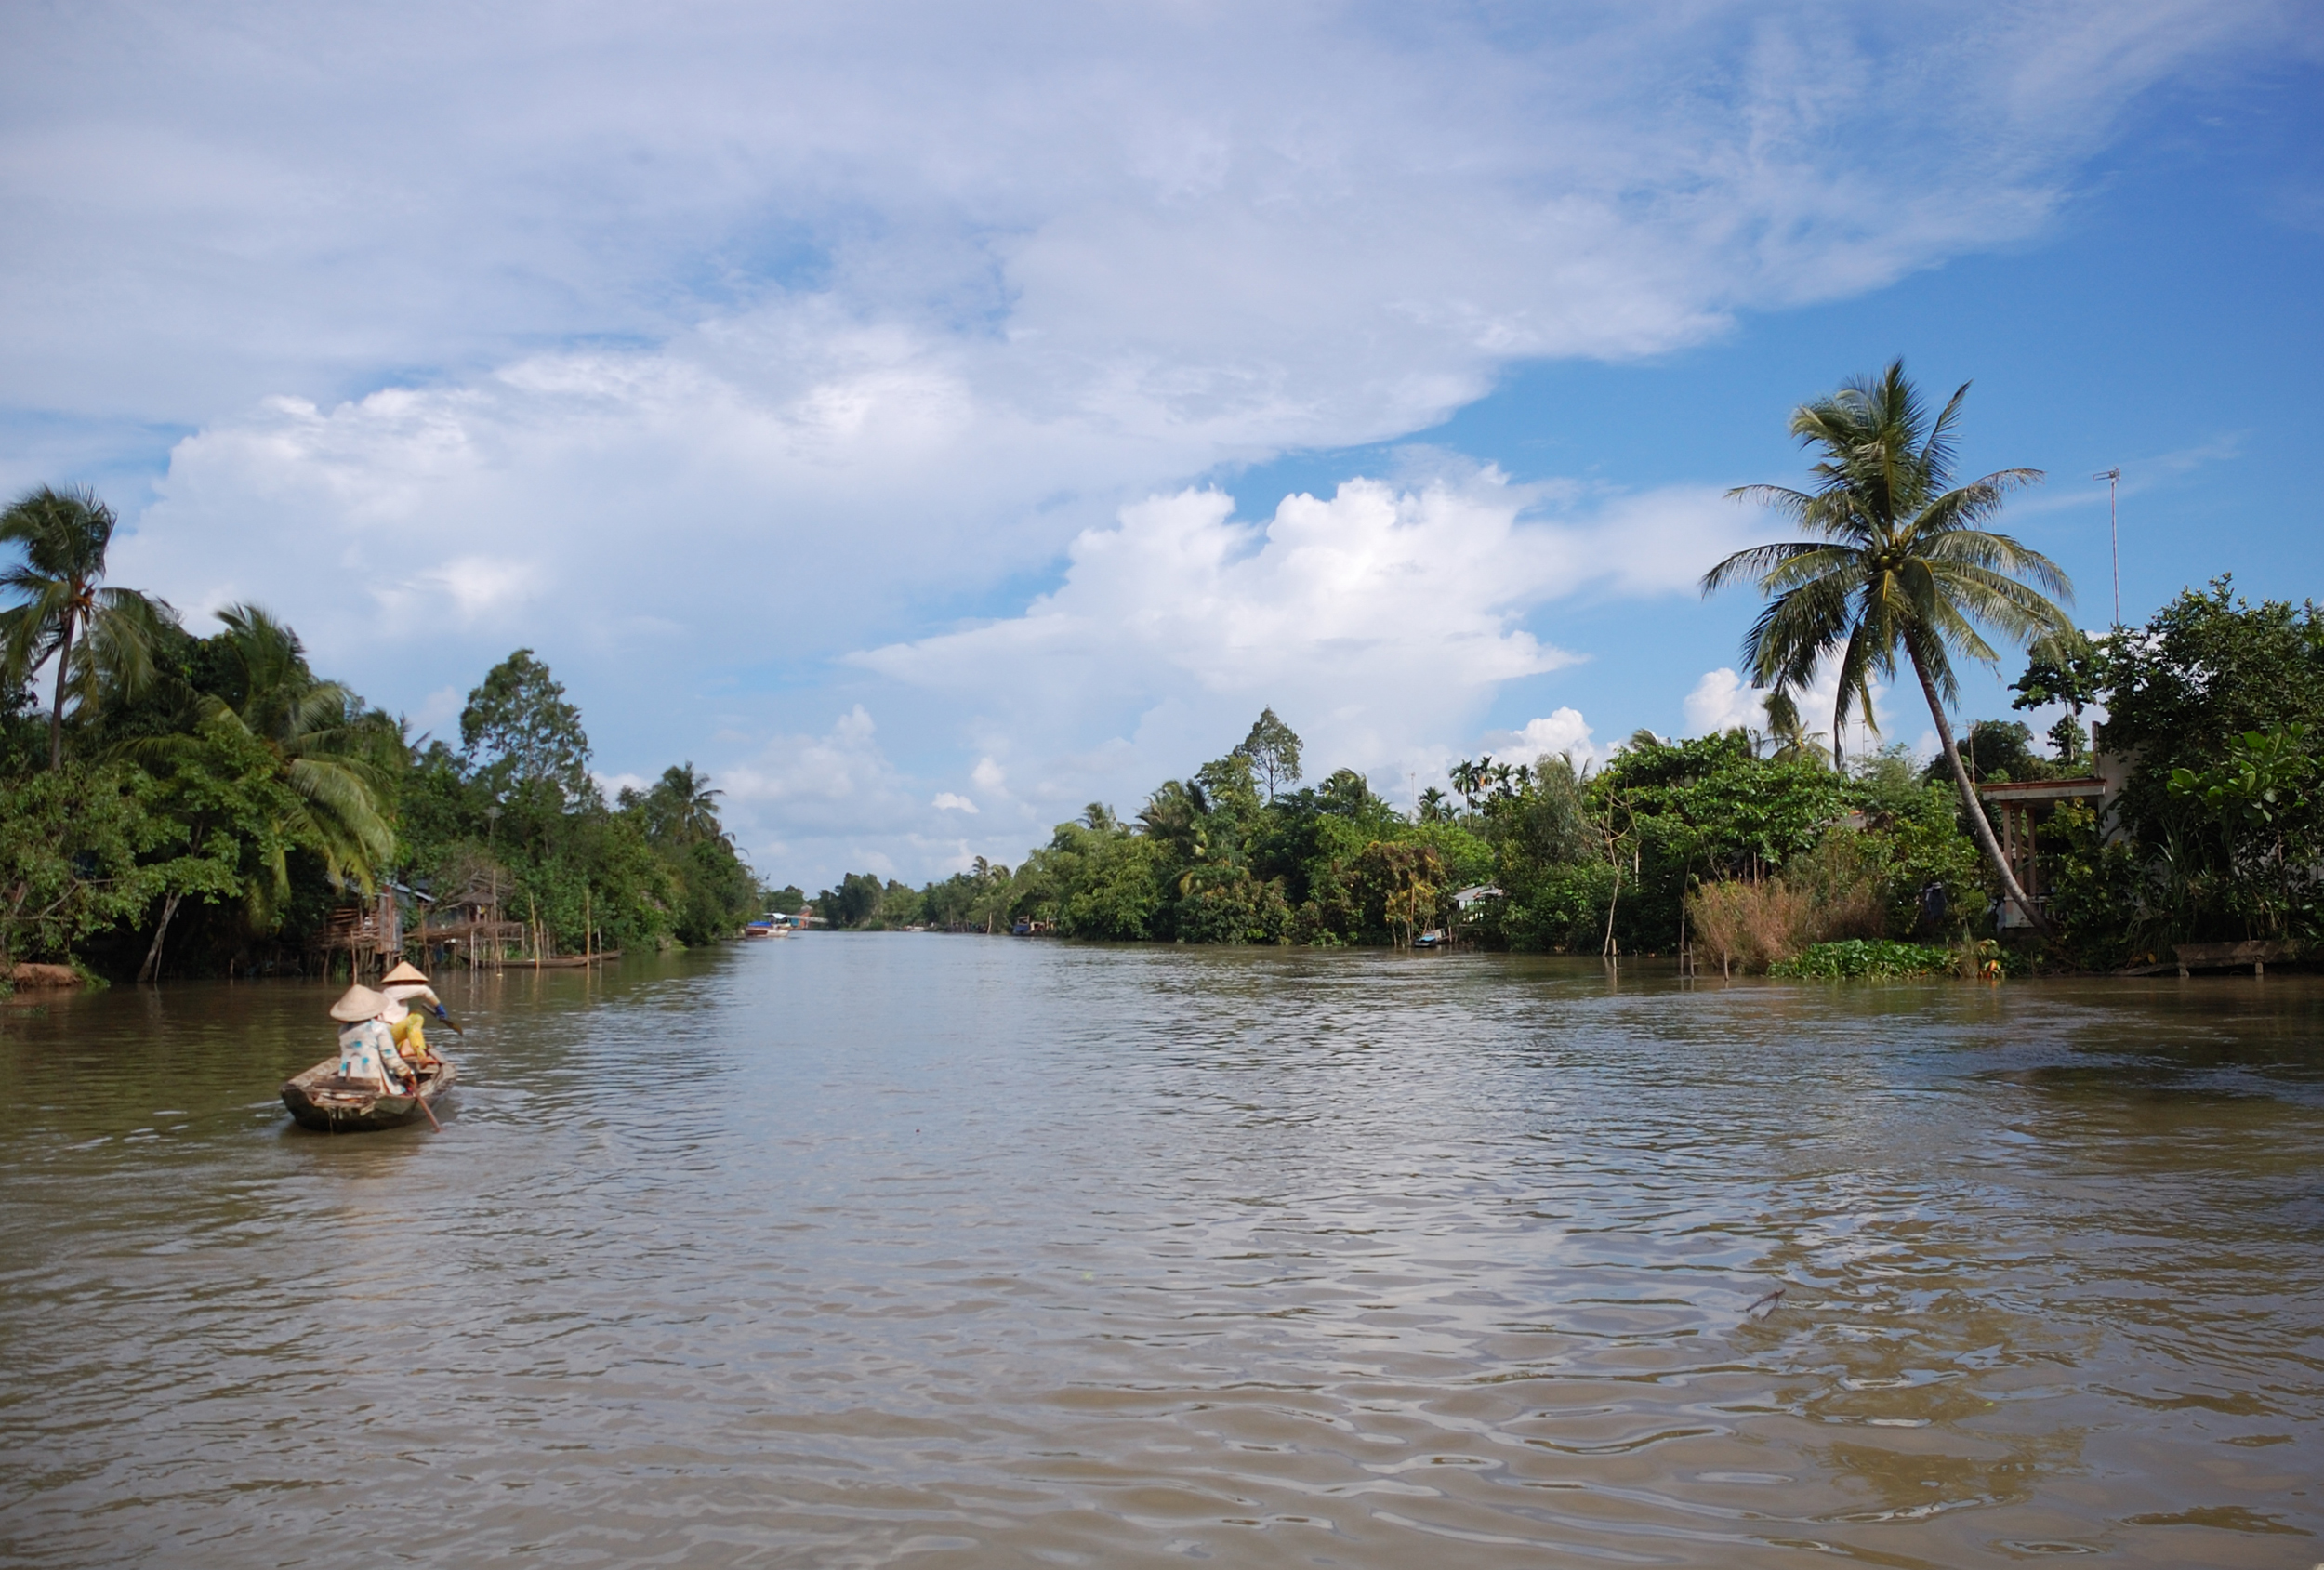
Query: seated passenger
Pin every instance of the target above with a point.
(367, 1054)
(407, 993)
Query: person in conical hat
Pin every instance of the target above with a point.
(409, 996)
(367, 1053)
(358, 1003)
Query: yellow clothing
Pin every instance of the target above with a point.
(410, 1039)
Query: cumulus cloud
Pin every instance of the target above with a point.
(1723, 701)
(1167, 217)
(692, 345)
(1562, 733)
(818, 804)
(897, 299)
(1379, 622)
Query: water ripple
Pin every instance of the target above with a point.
(856, 1249)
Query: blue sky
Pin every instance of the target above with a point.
(2166, 324)
(852, 405)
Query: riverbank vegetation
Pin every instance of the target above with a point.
(175, 804)
(1752, 852)
(171, 803)
(2214, 711)
(1766, 851)
(1706, 842)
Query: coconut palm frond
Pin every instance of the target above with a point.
(1812, 564)
(1937, 448)
(2019, 611)
(1757, 561)
(29, 633)
(1794, 634)
(341, 809)
(113, 660)
(2002, 555)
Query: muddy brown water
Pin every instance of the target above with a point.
(960, 1251)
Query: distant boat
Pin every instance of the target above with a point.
(319, 1099)
(774, 924)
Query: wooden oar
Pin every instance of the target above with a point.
(418, 1095)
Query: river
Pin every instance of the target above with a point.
(856, 1250)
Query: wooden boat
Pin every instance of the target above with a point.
(319, 1099)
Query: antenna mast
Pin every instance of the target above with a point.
(2113, 477)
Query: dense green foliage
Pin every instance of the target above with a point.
(2216, 709)
(1551, 859)
(1872, 958)
(194, 804)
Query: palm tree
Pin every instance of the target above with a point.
(63, 615)
(1174, 815)
(324, 750)
(1794, 743)
(1469, 777)
(1895, 561)
(692, 805)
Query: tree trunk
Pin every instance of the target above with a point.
(151, 969)
(56, 710)
(1976, 808)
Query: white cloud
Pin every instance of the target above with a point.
(1562, 733)
(1145, 199)
(1378, 623)
(1723, 701)
(809, 808)
(680, 345)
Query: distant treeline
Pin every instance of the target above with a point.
(1550, 857)
(173, 804)
(1749, 846)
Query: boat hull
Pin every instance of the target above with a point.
(319, 1099)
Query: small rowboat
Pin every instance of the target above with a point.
(319, 1099)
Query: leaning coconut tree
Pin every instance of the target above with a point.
(1895, 562)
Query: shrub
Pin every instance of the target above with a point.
(1837, 890)
(1872, 958)
(1751, 926)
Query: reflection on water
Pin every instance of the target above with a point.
(975, 1251)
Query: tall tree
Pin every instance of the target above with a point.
(518, 731)
(62, 612)
(1273, 750)
(1896, 561)
(1469, 777)
(683, 807)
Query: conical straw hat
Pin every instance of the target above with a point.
(358, 1003)
(404, 972)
